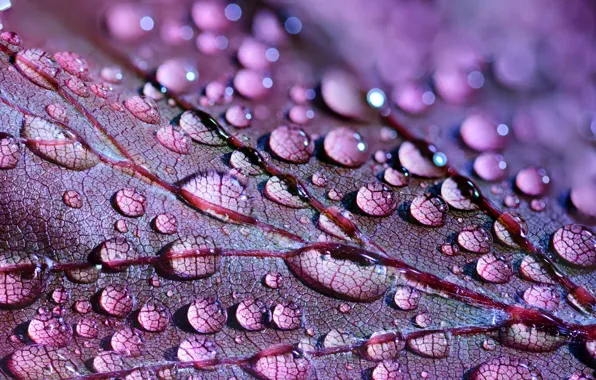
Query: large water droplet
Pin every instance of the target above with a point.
(143, 109)
(532, 181)
(111, 251)
(346, 147)
(340, 277)
(418, 161)
(291, 144)
(527, 337)
(101, 90)
(328, 225)
(534, 270)
(376, 199)
(341, 93)
(431, 345)
(154, 316)
(9, 152)
(87, 328)
(493, 269)
(37, 66)
(127, 342)
(48, 330)
(458, 196)
(198, 130)
(287, 315)
(280, 362)
(173, 139)
(482, 134)
(41, 362)
(475, 239)
(505, 368)
(196, 348)
(207, 315)
(20, 289)
(130, 202)
(49, 141)
(544, 297)
(490, 167)
(252, 54)
(252, 314)
(73, 64)
(582, 197)
(116, 300)
(576, 244)
(397, 177)
(183, 259)
(429, 210)
(238, 116)
(383, 346)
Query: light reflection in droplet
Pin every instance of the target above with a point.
(267, 82)
(428, 98)
(186, 33)
(476, 79)
(376, 98)
(190, 76)
(293, 25)
(502, 130)
(233, 12)
(221, 42)
(229, 91)
(310, 114)
(272, 54)
(147, 23)
(310, 94)
(440, 159)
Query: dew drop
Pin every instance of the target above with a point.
(252, 54)
(449, 249)
(591, 348)
(501, 225)
(460, 193)
(165, 223)
(57, 112)
(108, 361)
(534, 270)
(20, 289)
(397, 177)
(127, 342)
(42, 362)
(37, 66)
(11, 40)
(490, 167)
(48, 330)
(475, 239)
(10, 153)
(505, 368)
(273, 280)
(239, 160)
(338, 277)
(73, 199)
(287, 315)
(576, 244)
(279, 192)
(291, 144)
(346, 147)
(338, 338)
(388, 370)
(207, 315)
(252, 314)
(199, 130)
(60, 295)
(511, 201)
(526, 337)
(319, 179)
(376, 199)
(582, 197)
(172, 139)
(489, 344)
(383, 346)
(418, 160)
(280, 362)
(196, 348)
(111, 74)
(189, 258)
(143, 109)
(209, 15)
(73, 64)
(406, 298)
(537, 205)
(481, 134)
(101, 90)
(49, 141)
(124, 21)
(83, 275)
(176, 75)
(238, 116)
(82, 306)
(116, 300)
(130, 202)
(154, 317)
(532, 181)
(329, 226)
(300, 114)
(341, 94)
(544, 297)
(423, 320)
(430, 345)
(251, 84)
(493, 269)
(429, 210)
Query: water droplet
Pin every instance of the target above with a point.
(176, 75)
(493, 269)
(346, 147)
(300, 114)
(108, 361)
(73, 199)
(207, 315)
(280, 362)
(196, 348)
(112, 251)
(329, 226)
(319, 179)
(48, 330)
(388, 370)
(9, 152)
(582, 197)
(490, 167)
(49, 141)
(37, 66)
(505, 368)
(250, 84)
(534, 270)
(82, 306)
(41, 362)
(537, 205)
(287, 315)
(83, 275)
(127, 342)
(412, 98)
(73, 64)
(406, 298)
(143, 108)
(291, 144)
(273, 280)
(459, 196)
(209, 15)
(198, 130)
(397, 177)
(475, 239)
(116, 300)
(418, 160)
(434, 345)
(544, 297)
(526, 337)
(101, 90)
(511, 201)
(165, 224)
(423, 320)
(252, 314)
(576, 244)
(279, 192)
(376, 199)
(183, 258)
(429, 210)
(341, 94)
(480, 133)
(20, 289)
(127, 21)
(11, 40)
(173, 139)
(130, 202)
(217, 193)
(111, 74)
(344, 308)
(60, 295)
(501, 228)
(238, 116)
(449, 249)
(340, 277)
(239, 160)
(532, 181)
(489, 344)
(383, 346)
(252, 54)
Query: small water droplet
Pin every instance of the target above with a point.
(196, 348)
(287, 315)
(505, 367)
(10, 153)
(341, 94)
(406, 298)
(346, 147)
(493, 269)
(475, 239)
(397, 177)
(116, 300)
(418, 159)
(537, 205)
(127, 342)
(48, 330)
(291, 144)
(532, 181)
(431, 345)
(176, 75)
(82, 306)
(143, 108)
(72, 198)
(252, 314)
(376, 199)
(273, 280)
(60, 295)
(429, 210)
(423, 320)
(57, 112)
(251, 84)
(490, 167)
(388, 370)
(130, 202)
(480, 133)
(319, 179)
(238, 116)
(199, 129)
(207, 315)
(173, 139)
(73, 64)
(576, 244)
(11, 40)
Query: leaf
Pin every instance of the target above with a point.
(179, 198)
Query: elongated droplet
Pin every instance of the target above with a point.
(42, 362)
(37, 66)
(10, 153)
(280, 362)
(530, 338)
(20, 289)
(199, 130)
(278, 191)
(576, 244)
(505, 368)
(431, 345)
(143, 109)
(196, 348)
(186, 258)
(173, 139)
